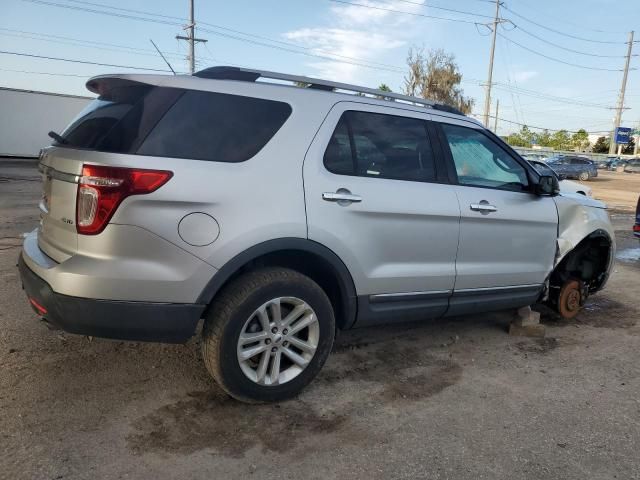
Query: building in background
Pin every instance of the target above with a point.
(26, 116)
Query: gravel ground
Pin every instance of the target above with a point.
(619, 190)
(455, 399)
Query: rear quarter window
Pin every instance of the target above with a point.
(216, 127)
(94, 126)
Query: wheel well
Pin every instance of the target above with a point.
(314, 266)
(588, 262)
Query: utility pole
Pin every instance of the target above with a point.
(487, 97)
(616, 122)
(495, 120)
(191, 29)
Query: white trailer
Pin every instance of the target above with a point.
(26, 116)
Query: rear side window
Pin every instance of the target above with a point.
(378, 145)
(216, 127)
(94, 126)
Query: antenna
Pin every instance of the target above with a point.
(165, 60)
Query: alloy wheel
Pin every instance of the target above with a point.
(278, 341)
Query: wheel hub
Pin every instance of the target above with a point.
(570, 299)
(573, 300)
(278, 341)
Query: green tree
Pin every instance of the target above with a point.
(516, 140)
(527, 135)
(524, 138)
(628, 148)
(580, 140)
(435, 75)
(601, 145)
(383, 88)
(560, 140)
(543, 139)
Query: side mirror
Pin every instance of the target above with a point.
(547, 185)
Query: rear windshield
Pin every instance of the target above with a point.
(171, 122)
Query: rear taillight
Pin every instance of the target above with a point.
(101, 189)
(636, 227)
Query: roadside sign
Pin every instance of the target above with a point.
(623, 134)
(636, 132)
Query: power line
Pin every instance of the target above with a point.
(212, 25)
(299, 52)
(565, 48)
(541, 128)
(81, 43)
(102, 12)
(557, 59)
(374, 7)
(464, 12)
(130, 10)
(306, 50)
(567, 22)
(544, 96)
(86, 62)
(80, 40)
(295, 48)
(45, 73)
(560, 32)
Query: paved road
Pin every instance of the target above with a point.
(456, 399)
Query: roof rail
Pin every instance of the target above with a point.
(251, 75)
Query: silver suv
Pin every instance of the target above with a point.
(280, 209)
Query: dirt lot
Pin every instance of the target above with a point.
(456, 399)
(619, 190)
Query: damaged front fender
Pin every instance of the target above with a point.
(580, 220)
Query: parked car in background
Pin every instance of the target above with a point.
(566, 186)
(609, 164)
(571, 166)
(632, 166)
(538, 157)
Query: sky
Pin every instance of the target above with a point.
(365, 42)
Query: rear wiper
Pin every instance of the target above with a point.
(58, 138)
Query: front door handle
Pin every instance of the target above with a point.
(342, 196)
(483, 207)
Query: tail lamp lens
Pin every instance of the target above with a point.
(101, 189)
(636, 227)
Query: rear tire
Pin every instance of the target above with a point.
(282, 315)
(584, 176)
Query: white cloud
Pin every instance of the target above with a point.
(523, 76)
(362, 34)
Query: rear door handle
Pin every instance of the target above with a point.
(341, 196)
(483, 207)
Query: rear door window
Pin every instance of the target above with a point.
(216, 127)
(382, 146)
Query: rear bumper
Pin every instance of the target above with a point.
(122, 320)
